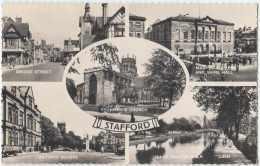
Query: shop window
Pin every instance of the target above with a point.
(138, 34)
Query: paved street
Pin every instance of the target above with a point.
(65, 157)
(49, 72)
(229, 155)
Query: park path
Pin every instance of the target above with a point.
(226, 155)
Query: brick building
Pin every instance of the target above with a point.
(136, 26)
(190, 35)
(21, 119)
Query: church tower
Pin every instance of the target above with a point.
(128, 67)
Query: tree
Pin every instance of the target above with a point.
(71, 88)
(165, 74)
(162, 128)
(50, 134)
(230, 103)
(105, 54)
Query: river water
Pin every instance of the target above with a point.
(178, 150)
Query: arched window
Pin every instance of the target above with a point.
(92, 89)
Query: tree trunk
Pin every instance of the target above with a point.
(170, 101)
(237, 131)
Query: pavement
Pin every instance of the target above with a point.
(65, 157)
(48, 72)
(228, 155)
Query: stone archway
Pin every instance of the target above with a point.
(92, 89)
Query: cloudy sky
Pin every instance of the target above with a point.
(54, 22)
(239, 14)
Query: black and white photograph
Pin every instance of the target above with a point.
(214, 45)
(37, 131)
(217, 126)
(37, 44)
(113, 80)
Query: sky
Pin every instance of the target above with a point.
(54, 22)
(239, 14)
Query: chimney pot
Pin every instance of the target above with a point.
(18, 19)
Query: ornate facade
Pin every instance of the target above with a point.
(21, 119)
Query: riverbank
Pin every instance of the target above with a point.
(160, 137)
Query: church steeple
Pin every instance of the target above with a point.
(87, 16)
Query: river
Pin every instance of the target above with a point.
(178, 150)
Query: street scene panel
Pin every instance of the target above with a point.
(113, 81)
(39, 51)
(215, 46)
(30, 137)
(220, 127)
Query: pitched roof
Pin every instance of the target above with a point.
(135, 17)
(121, 10)
(193, 19)
(22, 28)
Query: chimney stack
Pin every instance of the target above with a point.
(18, 19)
(104, 5)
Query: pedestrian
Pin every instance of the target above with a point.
(250, 60)
(190, 69)
(13, 64)
(102, 149)
(237, 66)
(244, 61)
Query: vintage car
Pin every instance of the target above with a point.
(10, 150)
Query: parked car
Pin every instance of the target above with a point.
(66, 149)
(9, 150)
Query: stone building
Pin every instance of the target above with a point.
(102, 86)
(109, 141)
(190, 35)
(246, 40)
(15, 38)
(94, 29)
(136, 26)
(21, 119)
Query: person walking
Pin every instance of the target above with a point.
(237, 66)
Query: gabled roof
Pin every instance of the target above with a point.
(193, 19)
(121, 10)
(22, 28)
(135, 17)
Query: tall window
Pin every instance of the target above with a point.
(224, 36)
(213, 35)
(178, 34)
(13, 90)
(218, 35)
(10, 138)
(207, 35)
(192, 34)
(229, 36)
(16, 117)
(199, 35)
(21, 119)
(185, 35)
(10, 115)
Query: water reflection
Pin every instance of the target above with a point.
(178, 150)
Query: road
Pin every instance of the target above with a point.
(48, 72)
(65, 158)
